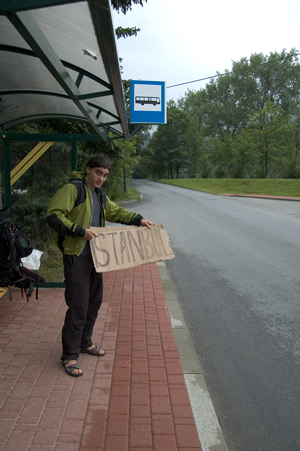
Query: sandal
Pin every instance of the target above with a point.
(96, 351)
(71, 369)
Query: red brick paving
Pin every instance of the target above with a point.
(132, 399)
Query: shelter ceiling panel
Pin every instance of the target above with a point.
(9, 35)
(69, 32)
(17, 72)
(16, 112)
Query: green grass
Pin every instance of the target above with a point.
(131, 194)
(51, 267)
(273, 187)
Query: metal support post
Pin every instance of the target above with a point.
(74, 155)
(6, 175)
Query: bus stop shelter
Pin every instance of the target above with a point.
(58, 59)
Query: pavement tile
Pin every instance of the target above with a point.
(6, 426)
(179, 396)
(182, 412)
(44, 437)
(197, 448)
(140, 435)
(140, 411)
(99, 396)
(160, 405)
(140, 396)
(156, 362)
(139, 366)
(164, 442)
(76, 410)
(51, 418)
(117, 425)
(140, 449)
(21, 391)
(119, 405)
(12, 405)
(121, 374)
(40, 392)
(41, 448)
(71, 426)
(65, 446)
(120, 388)
(93, 436)
(157, 374)
(186, 435)
(19, 441)
(116, 443)
(163, 426)
(33, 407)
(159, 389)
(70, 438)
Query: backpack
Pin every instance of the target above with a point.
(15, 245)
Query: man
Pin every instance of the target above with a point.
(75, 208)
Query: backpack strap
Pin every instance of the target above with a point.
(81, 194)
(102, 195)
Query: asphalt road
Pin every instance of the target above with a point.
(236, 272)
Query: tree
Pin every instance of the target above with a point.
(125, 5)
(167, 144)
(266, 139)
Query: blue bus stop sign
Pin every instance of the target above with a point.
(148, 102)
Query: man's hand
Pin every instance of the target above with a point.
(146, 223)
(89, 234)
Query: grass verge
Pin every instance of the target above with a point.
(271, 187)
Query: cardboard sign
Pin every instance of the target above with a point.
(128, 246)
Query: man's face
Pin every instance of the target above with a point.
(96, 176)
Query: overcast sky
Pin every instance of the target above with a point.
(185, 40)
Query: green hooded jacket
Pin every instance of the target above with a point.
(70, 220)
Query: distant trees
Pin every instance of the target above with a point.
(245, 123)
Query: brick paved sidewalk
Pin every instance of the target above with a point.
(134, 398)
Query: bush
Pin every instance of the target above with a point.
(29, 214)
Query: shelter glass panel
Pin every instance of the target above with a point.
(37, 171)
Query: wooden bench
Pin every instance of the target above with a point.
(3, 291)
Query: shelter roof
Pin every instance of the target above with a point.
(58, 59)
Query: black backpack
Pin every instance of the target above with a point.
(15, 245)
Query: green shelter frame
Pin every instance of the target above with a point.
(58, 60)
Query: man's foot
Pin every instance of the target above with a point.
(93, 350)
(72, 368)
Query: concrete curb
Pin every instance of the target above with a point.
(209, 431)
(262, 196)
